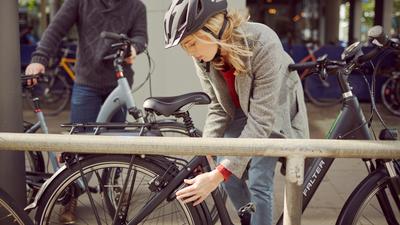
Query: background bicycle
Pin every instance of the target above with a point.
(390, 92)
(37, 168)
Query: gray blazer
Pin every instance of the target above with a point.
(270, 96)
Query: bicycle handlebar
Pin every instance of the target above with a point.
(377, 38)
(325, 64)
(364, 58)
(114, 36)
(25, 77)
(302, 66)
(123, 45)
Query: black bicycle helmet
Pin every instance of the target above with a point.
(185, 17)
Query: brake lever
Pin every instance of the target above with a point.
(119, 45)
(321, 64)
(112, 56)
(322, 59)
(323, 74)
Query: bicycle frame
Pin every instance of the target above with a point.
(121, 96)
(41, 124)
(349, 124)
(65, 65)
(174, 184)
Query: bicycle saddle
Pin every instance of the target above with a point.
(167, 106)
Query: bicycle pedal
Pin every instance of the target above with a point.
(248, 208)
(245, 212)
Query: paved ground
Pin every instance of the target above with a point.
(342, 178)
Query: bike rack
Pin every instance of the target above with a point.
(294, 150)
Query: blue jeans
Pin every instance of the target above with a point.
(86, 103)
(260, 188)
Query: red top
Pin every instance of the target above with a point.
(225, 172)
(229, 77)
(230, 82)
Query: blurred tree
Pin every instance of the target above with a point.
(396, 19)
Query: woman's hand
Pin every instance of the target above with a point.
(200, 187)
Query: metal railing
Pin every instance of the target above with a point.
(294, 150)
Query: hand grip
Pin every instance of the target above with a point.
(302, 66)
(368, 56)
(111, 35)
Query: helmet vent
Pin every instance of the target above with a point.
(199, 6)
(170, 24)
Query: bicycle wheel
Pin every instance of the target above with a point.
(67, 186)
(10, 213)
(53, 92)
(322, 93)
(179, 130)
(113, 176)
(364, 207)
(391, 94)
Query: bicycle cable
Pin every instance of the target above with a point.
(374, 74)
(373, 104)
(372, 90)
(151, 64)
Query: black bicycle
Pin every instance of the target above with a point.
(115, 183)
(376, 199)
(10, 213)
(144, 186)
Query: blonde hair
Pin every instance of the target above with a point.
(231, 43)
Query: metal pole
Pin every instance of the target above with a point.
(293, 186)
(201, 146)
(12, 169)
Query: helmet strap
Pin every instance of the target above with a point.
(220, 33)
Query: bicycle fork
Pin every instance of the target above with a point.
(388, 166)
(394, 178)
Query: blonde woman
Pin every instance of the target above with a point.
(244, 69)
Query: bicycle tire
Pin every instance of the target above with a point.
(53, 92)
(390, 94)
(321, 94)
(166, 130)
(377, 182)
(63, 187)
(10, 213)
